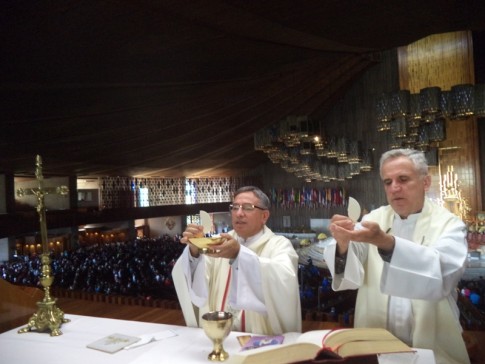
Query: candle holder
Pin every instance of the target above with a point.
(451, 195)
(48, 316)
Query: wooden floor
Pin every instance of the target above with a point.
(158, 315)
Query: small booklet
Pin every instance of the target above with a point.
(113, 343)
(260, 341)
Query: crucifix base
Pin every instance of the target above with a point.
(47, 318)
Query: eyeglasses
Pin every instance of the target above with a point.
(247, 207)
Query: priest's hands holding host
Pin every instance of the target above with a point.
(227, 248)
(344, 230)
(405, 259)
(253, 273)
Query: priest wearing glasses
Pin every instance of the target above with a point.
(253, 273)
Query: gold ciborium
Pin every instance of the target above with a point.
(217, 326)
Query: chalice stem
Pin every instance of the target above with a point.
(218, 347)
(218, 352)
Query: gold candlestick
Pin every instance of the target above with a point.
(48, 316)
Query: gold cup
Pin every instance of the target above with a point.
(217, 326)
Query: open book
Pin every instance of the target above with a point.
(335, 345)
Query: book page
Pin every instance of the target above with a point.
(277, 354)
(371, 347)
(314, 337)
(361, 341)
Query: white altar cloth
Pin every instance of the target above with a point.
(190, 345)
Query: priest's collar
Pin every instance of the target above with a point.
(411, 217)
(247, 242)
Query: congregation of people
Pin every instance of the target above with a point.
(141, 268)
(473, 290)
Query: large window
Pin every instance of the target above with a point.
(190, 191)
(143, 200)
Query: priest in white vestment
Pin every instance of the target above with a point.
(253, 273)
(406, 260)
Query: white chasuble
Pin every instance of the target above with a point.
(260, 288)
(421, 277)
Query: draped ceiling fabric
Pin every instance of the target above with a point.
(178, 88)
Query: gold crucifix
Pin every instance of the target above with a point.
(48, 316)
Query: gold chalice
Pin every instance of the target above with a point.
(217, 325)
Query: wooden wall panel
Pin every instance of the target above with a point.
(445, 60)
(441, 60)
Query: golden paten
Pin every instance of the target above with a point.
(48, 317)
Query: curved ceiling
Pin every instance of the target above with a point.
(178, 88)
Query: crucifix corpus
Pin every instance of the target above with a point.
(48, 316)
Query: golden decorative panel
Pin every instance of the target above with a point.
(442, 60)
(445, 60)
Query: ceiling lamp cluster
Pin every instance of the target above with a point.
(418, 120)
(298, 144)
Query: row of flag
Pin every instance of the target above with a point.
(307, 197)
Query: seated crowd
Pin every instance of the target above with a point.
(143, 268)
(474, 291)
(140, 268)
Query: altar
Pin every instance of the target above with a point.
(182, 345)
(188, 345)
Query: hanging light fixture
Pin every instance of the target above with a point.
(341, 172)
(383, 112)
(462, 100)
(446, 106)
(302, 127)
(367, 160)
(414, 107)
(429, 100)
(332, 147)
(289, 131)
(325, 172)
(394, 143)
(298, 145)
(355, 152)
(437, 130)
(400, 103)
(306, 148)
(399, 127)
(354, 169)
(423, 138)
(342, 150)
(430, 107)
